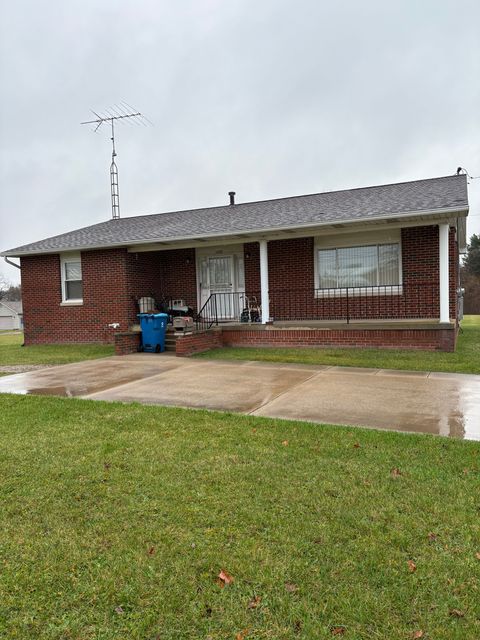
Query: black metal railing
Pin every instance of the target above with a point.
(228, 307)
(388, 302)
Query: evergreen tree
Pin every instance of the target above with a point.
(472, 259)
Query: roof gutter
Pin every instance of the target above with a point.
(442, 213)
(14, 264)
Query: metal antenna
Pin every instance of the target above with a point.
(116, 113)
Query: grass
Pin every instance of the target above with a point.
(117, 519)
(466, 358)
(12, 352)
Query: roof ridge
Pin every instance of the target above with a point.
(303, 195)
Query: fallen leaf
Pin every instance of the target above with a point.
(456, 613)
(254, 602)
(291, 587)
(118, 610)
(477, 555)
(432, 536)
(151, 551)
(106, 466)
(285, 443)
(395, 472)
(466, 472)
(356, 445)
(241, 634)
(254, 431)
(417, 634)
(412, 567)
(338, 631)
(224, 578)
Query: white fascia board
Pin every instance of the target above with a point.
(250, 234)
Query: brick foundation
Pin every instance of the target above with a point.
(189, 344)
(428, 339)
(127, 342)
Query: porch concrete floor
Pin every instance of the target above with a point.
(438, 403)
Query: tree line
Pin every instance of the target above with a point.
(470, 276)
(9, 291)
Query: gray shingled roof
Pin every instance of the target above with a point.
(386, 201)
(14, 305)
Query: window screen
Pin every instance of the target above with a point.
(73, 288)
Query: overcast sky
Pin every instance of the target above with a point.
(269, 98)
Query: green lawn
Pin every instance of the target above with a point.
(11, 352)
(466, 358)
(117, 519)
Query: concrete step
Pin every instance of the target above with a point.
(170, 341)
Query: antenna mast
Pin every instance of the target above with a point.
(123, 111)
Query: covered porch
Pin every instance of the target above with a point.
(405, 274)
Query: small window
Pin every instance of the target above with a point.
(72, 288)
(369, 266)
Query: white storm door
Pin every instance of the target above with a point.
(220, 272)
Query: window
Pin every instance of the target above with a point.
(368, 266)
(72, 288)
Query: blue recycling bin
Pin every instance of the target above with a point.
(154, 328)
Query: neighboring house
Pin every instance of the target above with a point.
(11, 316)
(375, 266)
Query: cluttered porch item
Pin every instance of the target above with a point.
(183, 324)
(252, 311)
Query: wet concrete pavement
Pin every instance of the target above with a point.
(440, 403)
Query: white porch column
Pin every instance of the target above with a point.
(264, 281)
(444, 279)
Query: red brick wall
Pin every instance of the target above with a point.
(425, 339)
(179, 275)
(169, 273)
(105, 299)
(113, 280)
(128, 342)
(251, 254)
(188, 344)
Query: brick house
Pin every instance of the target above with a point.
(375, 266)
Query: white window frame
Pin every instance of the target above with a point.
(64, 260)
(347, 241)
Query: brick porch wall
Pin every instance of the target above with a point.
(188, 344)
(424, 339)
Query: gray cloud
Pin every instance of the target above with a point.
(268, 98)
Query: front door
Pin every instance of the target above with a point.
(223, 276)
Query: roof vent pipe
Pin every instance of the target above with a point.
(232, 197)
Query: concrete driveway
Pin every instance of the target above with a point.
(439, 403)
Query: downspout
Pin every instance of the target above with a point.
(14, 264)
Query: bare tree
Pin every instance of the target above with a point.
(4, 286)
